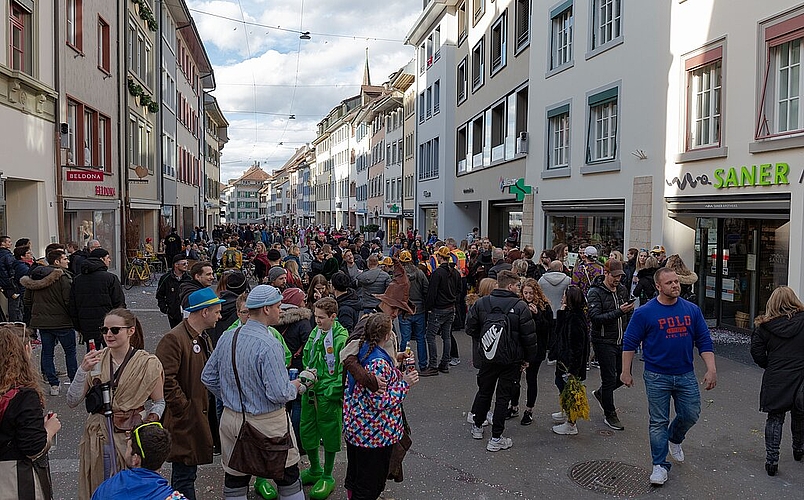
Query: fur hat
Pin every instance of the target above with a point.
(398, 292)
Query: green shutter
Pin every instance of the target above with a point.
(606, 95)
(558, 111)
(560, 9)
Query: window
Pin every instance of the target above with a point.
(477, 142)
(480, 8)
(462, 82)
(606, 22)
(436, 96)
(422, 58)
(558, 137)
(704, 81)
(72, 125)
(498, 127)
(461, 148)
(561, 35)
(522, 23)
(104, 138)
(429, 102)
(428, 159)
(463, 24)
(601, 140)
(74, 23)
(21, 41)
(88, 141)
(103, 46)
(498, 45)
(477, 66)
(140, 55)
(422, 107)
(168, 90)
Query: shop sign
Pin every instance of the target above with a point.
(516, 187)
(506, 182)
(393, 208)
(84, 175)
(766, 174)
(105, 191)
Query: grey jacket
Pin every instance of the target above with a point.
(418, 286)
(553, 285)
(373, 281)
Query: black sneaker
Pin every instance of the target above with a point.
(599, 398)
(512, 412)
(443, 368)
(527, 417)
(614, 422)
(428, 372)
(798, 455)
(771, 469)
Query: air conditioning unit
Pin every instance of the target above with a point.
(522, 143)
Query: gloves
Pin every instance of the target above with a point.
(308, 377)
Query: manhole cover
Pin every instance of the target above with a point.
(612, 478)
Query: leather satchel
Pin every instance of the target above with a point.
(255, 453)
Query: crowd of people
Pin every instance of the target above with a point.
(315, 349)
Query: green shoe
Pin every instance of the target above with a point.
(308, 476)
(323, 488)
(265, 489)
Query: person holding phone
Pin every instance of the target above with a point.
(610, 307)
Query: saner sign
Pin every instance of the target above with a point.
(762, 175)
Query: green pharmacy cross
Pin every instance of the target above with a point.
(519, 189)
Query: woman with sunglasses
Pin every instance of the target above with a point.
(25, 432)
(133, 376)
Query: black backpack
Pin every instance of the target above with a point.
(497, 345)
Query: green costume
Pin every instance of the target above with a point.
(322, 407)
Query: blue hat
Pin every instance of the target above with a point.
(263, 295)
(201, 299)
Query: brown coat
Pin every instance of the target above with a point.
(186, 397)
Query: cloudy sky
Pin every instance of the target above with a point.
(265, 73)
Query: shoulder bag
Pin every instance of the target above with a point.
(255, 453)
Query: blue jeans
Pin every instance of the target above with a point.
(412, 327)
(687, 398)
(66, 337)
(440, 323)
(183, 479)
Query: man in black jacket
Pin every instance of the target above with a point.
(609, 312)
(7, 272)
(201, 276)
(498, 258)
(504, 371)
(94, 293)
(169, 289)
(442, 294)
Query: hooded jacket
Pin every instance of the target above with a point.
(419, 285)
(608, 320)
(47, 293)
(522, 326)
(371, 282)
(444, 287)
(294, 325)
(554, 284)
(94, 293)
(778, 347)
(349, 308)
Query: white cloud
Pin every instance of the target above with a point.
(327, 68)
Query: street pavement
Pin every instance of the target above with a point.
(724, 451)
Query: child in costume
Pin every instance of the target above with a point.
(322, 405)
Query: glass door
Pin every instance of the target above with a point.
(706, 267)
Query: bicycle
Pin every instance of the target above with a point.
(139, 273)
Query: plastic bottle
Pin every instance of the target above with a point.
(410, 361)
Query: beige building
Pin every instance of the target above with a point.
(216, 136)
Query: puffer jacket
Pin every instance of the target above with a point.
(94, 293)
(608, 321)
(778, 347)
(522, 326)
(373, 281)
(47, 293)
(349, 308)
(294, 325)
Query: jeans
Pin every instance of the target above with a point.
(413, 326)
(773, 433)
(610, 357)
(66, 337)
(489, 376)
(439, 323)
(15, 309)
(183, 479)
(687, 398)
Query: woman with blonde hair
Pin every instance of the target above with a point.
(777, 345)
(292, 272)
(25, 432)
(686, 277)
(133, 377)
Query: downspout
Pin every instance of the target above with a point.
(63, 237)
(122, 157)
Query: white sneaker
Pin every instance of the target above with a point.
(559, 417)
(470, 417)
(54, 390)
(489, 418)
(659, 475)
(454, 361)
(675, 451)
(566, 429)
(500, 443)
(477, 432)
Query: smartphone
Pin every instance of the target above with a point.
(631, 300)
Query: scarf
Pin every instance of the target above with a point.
(329, 351)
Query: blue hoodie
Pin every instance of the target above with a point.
(136, 484)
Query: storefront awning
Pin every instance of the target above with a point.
(750, 207)
(91, 204)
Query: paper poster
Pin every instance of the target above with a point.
(751, 262)
(727, 293)
(710, 287)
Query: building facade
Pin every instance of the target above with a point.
(242, 204)
(216, 135)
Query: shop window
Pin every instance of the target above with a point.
(21, 39)
(498, 44)
(606, 18)
(558, 137)
(577, 231)
(74, 24)
(477, 65)
(462, 81)
(522, 23)
(704, 84)
(561, 24)
(601, 140)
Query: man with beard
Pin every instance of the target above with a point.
(202, 276)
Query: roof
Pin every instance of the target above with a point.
(254, 173)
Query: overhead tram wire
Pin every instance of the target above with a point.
(253, 80)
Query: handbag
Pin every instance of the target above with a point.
(255, 453)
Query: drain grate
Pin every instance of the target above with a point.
(612, 478)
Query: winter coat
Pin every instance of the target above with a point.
(186, 288)
(544, 324)
(94, 293)
(350, 307)
(522, 326)
(570, 347)
(500, 266)
(373, 281)
(630, 268)
(554, 284)
(228, 316)
(294, 325)
(47, 293)
(77, 261)
(261, 266)
(7, 272)
(419, 286)
(21, 268)
(187, 398)
(778, 347)
(167, 294)
(444, 288)
(645, 288)
(687, 282)
(607, 319)
(23, 435)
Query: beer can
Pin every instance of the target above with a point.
(294, 373)
(91, 344)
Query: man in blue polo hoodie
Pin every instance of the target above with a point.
(669, 328)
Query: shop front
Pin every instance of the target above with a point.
(429, 214)
(741, 252)
(580, 223)
(505, 220)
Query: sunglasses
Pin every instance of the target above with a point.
(114, 329)
(136, 433)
